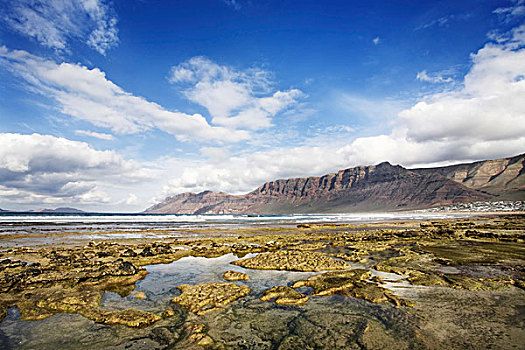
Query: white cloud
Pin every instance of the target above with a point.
(215, 154)
(483, 118)
(97, 135)
(88, 95)
(132, 199)
(375, 40)
(490, 106)
(439, 22)
(241, 174)
(54, 22)
(233, 98)
(105, 36)
(434, 78)
(47, 169)
(22, 153)
(515, 11)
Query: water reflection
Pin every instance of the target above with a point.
(161, 282)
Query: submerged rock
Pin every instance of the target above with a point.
(468, 257)
(333, 282)
(204, 298)
(85, 301)
(235, 276)
(453, 266)
(292, 260)
(195, 334)
(285, 296)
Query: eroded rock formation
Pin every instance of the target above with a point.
(364, 188)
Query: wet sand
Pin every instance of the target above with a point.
(431, 284)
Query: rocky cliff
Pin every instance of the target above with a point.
(364, 188)
(504, 178)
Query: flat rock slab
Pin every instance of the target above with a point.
(203, 298)
(285, 296)
(235, 276)
(352, 283)
(292, 260)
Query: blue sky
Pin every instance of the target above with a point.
(113, 105)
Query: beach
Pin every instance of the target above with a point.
(374, 281)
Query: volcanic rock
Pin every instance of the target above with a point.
(285, 296)
(291, 260)
(235, 276)
(204, 298)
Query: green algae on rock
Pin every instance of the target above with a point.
(235, 276)
(352, 283)
(41, 304)
(203, 298)
(443, 265)
(456, 281)
(333, 282)
(292, 260)
(70, 280)
(284, 296)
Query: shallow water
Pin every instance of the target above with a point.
(252, 315)
(184, 219)
(161, 282)
(334, 322)
(37, 229)
(159, 286)
(442, 318)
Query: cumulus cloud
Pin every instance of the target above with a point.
(482, 118)
(490, 106)
(54, 22)
(88, 95)
(235, 99)
(48, 169)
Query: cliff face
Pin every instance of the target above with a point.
(380, 187)
(503, 177)
(206, 202)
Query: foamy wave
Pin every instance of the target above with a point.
(263, 219)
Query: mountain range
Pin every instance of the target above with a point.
(365, 188)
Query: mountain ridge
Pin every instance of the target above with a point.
(503, 177)
(363, 188)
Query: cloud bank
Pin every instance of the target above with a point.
(47, 169)
(88, 95)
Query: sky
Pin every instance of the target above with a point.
(111, 106)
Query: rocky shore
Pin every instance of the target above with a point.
(389, 271)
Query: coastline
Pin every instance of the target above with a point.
(401, 267)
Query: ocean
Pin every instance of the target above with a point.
(177, 219)
(50, 228)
